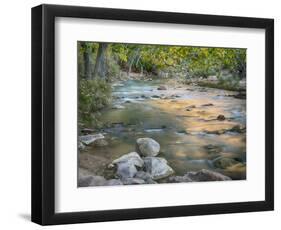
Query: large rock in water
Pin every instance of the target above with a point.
(89, 139)
(131, 158)
(126, 170)
(148, 147)
(157, 167)
(202, 175)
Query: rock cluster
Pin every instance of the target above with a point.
(142, 166)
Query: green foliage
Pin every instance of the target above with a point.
(93, 96)
(196, 61)
(172, 61)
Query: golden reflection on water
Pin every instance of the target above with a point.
(183, 139)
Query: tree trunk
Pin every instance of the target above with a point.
(87, 63)
(100, 66)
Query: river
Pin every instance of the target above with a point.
(182, 119)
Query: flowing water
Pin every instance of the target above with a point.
(182, 119)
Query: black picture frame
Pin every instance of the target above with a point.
(43, 114)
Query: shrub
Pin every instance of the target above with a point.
(93, 96)
(113, 69)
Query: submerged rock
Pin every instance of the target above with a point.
(89, 139)
(191, 107)
(157, 167)
(118, 107)
(144, 96)
(100, 143)
(224, 162)
(147, 147)
(238, 129)
(201, 163)
(202, 175)
(209, 104)
(217, 132)
(87, 131)
(183, 131)
(221, 117)
(162, 87)
(212, 149)
(130, 158)
(240, 95)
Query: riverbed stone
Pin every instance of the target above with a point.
(162, 87)
(146, 177)
(114, 182)
(128, 181)
(89, 139)
(81, 146)
(224, 162)
(202, 175)
(91, 180)
(208, 104)
(98, 181)
(207, 175)
(131, 158)
(84, 181)
(221, 117)
(240, 95)
(179, 179)
(118, 107)
(126, 170)
(100, 143)
(213, 149)
(147, 147)
(201, 163)
(157, 167)
(143, 175)
(238, 129)
(190, 107)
